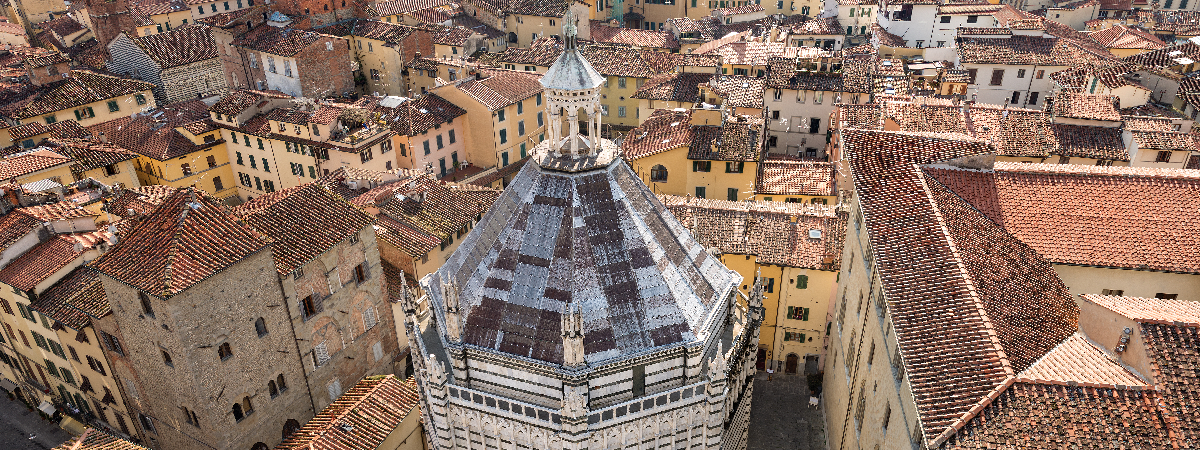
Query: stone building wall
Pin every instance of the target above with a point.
(205, 78)
(340, 325)
(191, 326)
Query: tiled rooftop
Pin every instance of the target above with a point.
(181, 46)
(1080, 360)
(1086, 106)
(154, 134)
(29, 162)
(925, 237)
(239, 100)
(38, 263)
(603, 33)
(677, 87)
(1124, 37)
(1027, 50)
(186, 239)
(775, 232)
(1068, 212)
(501, 88)
(93, 439)
(362, 418)
(302, 222)
(788, 176)
(75, 299)
(1150, 310)
(419, 115)
(279, 41)
(81, 88)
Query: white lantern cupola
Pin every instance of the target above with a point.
(571, 84)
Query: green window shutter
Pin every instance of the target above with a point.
(802, 281)
(90, 112)
(50, 367)
(77, 115)
(802, 337)
(806, 310)
(39, 340)
(45, 321)
(68, 377)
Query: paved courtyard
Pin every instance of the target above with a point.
(16, 424)
(780, 417)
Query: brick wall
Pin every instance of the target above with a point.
(325, 72)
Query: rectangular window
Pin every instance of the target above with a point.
(945, 19)
(732, 194)
(426, 144)
(450, 134)
(620, 111)
(520, 130)
(1033, 98)
(503, 136)
(500, 115)
(814, 125)
(503, 159)
(700, 192)
(186, 168)
(113, 106)
(997, 77)
(734, 167)
(1163, 156)
(439, 142)
(975, 19)
(1020, 73)
(701, 166)
(1016, 97)
(218, 185)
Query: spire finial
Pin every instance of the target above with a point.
(570, 30)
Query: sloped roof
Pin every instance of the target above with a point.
(419, 115)
(81, 88)
(361, 418)
(186, 239)
(154, 134)
(601, 32)
(302, 222)
(790, 176)
(1084, 215)
(677, 87)
(1078, 359)
(944, 266)
(501, 88)
(1121, 36)
(571, 72)
(1028, 50)
(25, 163)
(635, 274)
(280, 41)
(75, 299)
(181, 46)
(93, 439)
(775, 232)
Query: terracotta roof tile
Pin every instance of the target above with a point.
(75, 299)
(181, 46)
(632, 36)
(1079, 360)
(1174, 353)
(153, 134)
(676, 87)
(361, 418)
(1162, 140)
(187, 239)
(1121, 36)
(93, 439)
(135, 202)
(1086, 106)
(803, 26)
(787, 176)
(739, 92)
(391, 8)
(1090, 142)
(239, 100)
(90, 155)
(419, 115)
(81, 88)
(1033, 415)
(15, 225)
(1027, 50)
(777, 233)
(26, 163)
(302, 222)
(1151, 310)
(783, 73)
(997, 305)
(1067, 212)
(280, 41)
(501, 88)
(39, 262)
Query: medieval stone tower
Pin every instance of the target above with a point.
(579, 313)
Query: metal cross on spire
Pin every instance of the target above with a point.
(570, 29)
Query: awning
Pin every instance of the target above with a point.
(7, 385)
(47, 408)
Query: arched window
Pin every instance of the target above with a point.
(224, 351)
(237, 412)
(260, 326)
(512, 38)
(272, 389)
(658, 174)
(246, 406)
(146, 306)
(290, 427)
(260, 446)
(279, 382)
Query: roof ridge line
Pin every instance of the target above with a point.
(983, 315)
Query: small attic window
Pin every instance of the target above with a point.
(328, 46)
(814, 234)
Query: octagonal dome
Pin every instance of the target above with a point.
(587, 232)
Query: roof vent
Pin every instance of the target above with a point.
(346, 427)
(814, 234)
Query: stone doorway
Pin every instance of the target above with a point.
(792, 362)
